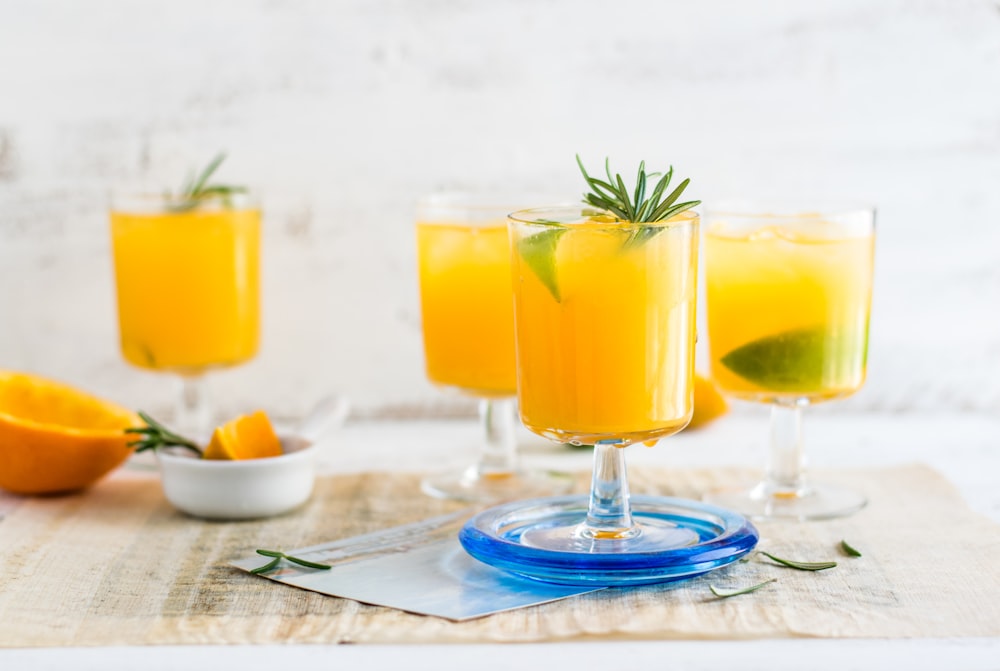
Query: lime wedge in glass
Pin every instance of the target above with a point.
(789, 361)
(539, 252)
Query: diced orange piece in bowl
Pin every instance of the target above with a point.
(56, 438)
(246, 437)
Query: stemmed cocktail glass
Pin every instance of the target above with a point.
(467, 318)
(789, 296)
(187, 277)
(605, 323)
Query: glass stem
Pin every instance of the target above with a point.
(610, 513)
(193, 410)
(498, 417)
(786, 461)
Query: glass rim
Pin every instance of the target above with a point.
(791, 209)
(505, 200)
(146, 201)
(578, 212)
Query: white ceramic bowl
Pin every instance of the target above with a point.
(240, 490)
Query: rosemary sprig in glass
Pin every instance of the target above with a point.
(197, 189)
(634, 206)
(613, 196)
(155, 436)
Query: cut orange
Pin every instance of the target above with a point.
(56, 438)
(709, 404)
(246, 437)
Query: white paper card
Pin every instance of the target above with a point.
(420, 568)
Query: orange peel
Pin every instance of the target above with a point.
(56, 438)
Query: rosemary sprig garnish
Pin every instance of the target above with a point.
(197, 189)
(801, 565)
(848, 550)
(613, 199)
(613, 196)
(155, 436)
(726, 593)
(277, 556)
(633, 206)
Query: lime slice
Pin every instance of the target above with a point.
(789, 361)
(539, 252)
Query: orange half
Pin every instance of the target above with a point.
(56, 438)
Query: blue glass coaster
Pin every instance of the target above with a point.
(541, 539)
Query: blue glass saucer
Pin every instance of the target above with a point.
(679, 539)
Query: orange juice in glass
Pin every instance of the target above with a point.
(466, 309)
(187, 274)
(467, 317)
(605, 323)
(606, 338)
(188, 287)
(789, 297)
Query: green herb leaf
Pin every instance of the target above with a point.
(156, 435)
(799, 565)
(196, 190)
(148, 355)
(726, 593)
(278, 556)
(539, 253)
(267, 567)
(271, 553)
(199, 184)
(609, 197)
(308, 564)
(634, 207)
(848, 550)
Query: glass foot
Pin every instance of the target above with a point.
(475, 486)
(811, 502)
(545, 539)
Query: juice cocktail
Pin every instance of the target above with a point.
(605, 324)
(467, 316)
(789, 298)
(466, 308)
(788, 306)
(188, 286)
(604, 317)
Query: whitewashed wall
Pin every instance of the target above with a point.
(343, 112)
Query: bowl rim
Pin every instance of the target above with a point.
(306, 450)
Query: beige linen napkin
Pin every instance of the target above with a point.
(119, 566)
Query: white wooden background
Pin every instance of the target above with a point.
(343, 112)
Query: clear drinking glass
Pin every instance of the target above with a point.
(187, 279)
(789, 298)
(605, 328)
(467, 318)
